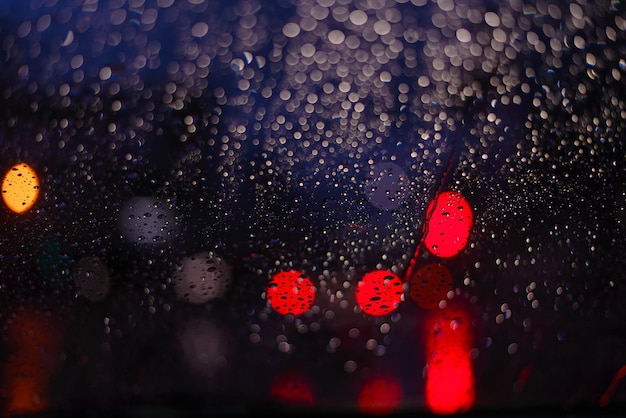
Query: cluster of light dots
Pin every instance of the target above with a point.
(380, 292)
(450, 386)
(368, 38)
(20, 188)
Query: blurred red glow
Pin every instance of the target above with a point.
(292, 388)
(34, 343)
(289, 292)
(379, 292)
(448, 224)
(450, 384)
(380, 394)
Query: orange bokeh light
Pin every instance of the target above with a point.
(379, 292)
(20, 188)
(289, 292)
(449, 222)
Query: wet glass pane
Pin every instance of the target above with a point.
(358, 207)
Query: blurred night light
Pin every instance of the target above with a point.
(386, 186)
(91, 278)
(450, 383)
(289, 292)
(34, 346)
(202, 277)
(20, 188)
(292, 388)
(204, 347)
(379, 292)
(145, 220)
(449, 222)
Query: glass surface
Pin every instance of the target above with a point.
(368, 207)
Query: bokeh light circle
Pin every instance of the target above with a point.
(202, 277)
(91, 278)
(448, 224)
(204, 347)
(145, 220)
(379, 292)
(289, 292)
(386, 186)
(430, 284)
(20, 188)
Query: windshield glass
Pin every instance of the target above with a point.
(355, 206)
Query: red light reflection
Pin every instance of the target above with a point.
(292, 388)
(34, 343)
(450, 384)
(380, 394)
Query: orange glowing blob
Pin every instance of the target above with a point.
(20, 188)
(450, 384)
(380, 394)
(289, 292)
(448, 224)
(379, 292)
(292, 388)
(430, 285)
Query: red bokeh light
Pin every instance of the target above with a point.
(450, 384)
(292, 388)
(289, 292)
(448, 224)
(379, 292)
(430, 285)
(380, 394)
